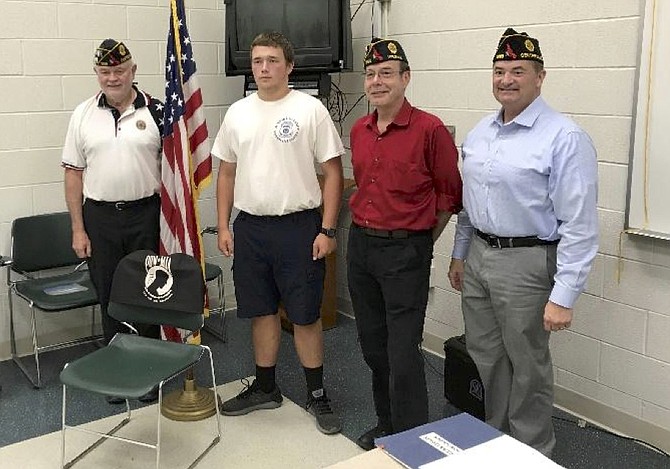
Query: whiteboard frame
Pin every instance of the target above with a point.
(645, 5)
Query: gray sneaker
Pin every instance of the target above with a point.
(252, 398)
(327, 421)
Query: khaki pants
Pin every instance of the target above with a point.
(504, 295)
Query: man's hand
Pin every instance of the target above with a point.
(556, 317)
(225, 241)
(322, 246)
(456, 269)
(81, 244)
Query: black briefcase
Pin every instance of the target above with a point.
(462, 385)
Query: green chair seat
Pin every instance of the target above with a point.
(116, 371)
(60, 292)
(212, 271)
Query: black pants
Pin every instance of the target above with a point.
(114, 234)
(388, 284)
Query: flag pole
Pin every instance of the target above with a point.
(191, 403)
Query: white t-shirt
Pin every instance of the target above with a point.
(121, 161)
(275, 144)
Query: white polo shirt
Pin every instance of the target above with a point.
(275, 145)
(120, 157)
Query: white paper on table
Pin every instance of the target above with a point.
(442, 445)
(503, 452)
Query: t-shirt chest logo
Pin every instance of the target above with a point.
(286, 129)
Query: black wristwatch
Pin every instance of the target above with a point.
(330, 232)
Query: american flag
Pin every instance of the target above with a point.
(187, 163)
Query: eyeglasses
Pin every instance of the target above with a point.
(382, 74)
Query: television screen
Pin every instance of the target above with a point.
(320, 31)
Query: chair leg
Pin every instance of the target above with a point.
(36, 380)
(217, 415)
(220, 331)
(62, 428)
(12, 334)
(92, 320)
(36, 350)
(158, 425)
(222, 307)
(103, 436)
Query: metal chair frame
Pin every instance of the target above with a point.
(103, 436)
(13, 283)
(220, 310)
(138, 346)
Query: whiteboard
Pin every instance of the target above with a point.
(648, 205)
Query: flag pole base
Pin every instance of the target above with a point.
(189, 404)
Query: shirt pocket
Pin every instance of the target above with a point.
(407, 179)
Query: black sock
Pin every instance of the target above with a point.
(265, 375)
(314, 377)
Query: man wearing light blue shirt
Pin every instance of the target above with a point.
(524, 242)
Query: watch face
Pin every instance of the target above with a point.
(330, 232)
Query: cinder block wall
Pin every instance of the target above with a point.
(614, 363)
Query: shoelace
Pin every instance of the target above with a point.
(248, 390)
(322, 405)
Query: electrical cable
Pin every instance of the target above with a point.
(584, 424)
(355, 12)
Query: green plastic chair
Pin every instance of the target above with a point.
(149, 289)
(46, 273)
(216, 325)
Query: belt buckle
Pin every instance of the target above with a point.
(119, 205)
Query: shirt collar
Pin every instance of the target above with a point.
(528, 116)
(401, 119)
(140, 99)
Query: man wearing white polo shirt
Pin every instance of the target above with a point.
(111, 158)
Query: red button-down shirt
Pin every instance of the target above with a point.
(406, 174)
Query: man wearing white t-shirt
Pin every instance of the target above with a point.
(267, 145)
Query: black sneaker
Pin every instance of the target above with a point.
(114, 400)
(367, 439)
(327, 421)
(252, 398)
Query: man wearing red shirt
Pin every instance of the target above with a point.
(406, 171)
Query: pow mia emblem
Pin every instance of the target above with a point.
(529, 45)
(158, 281)
(392, 48)
(286, 129)
(141, 124)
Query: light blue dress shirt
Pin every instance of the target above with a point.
(534, 176)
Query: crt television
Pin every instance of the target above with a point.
(320, 31)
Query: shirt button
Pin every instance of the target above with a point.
(369, 201)
(372, 180)
(367, 222)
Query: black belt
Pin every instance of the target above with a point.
(391, 234)
(522, 242)
(125, 204)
